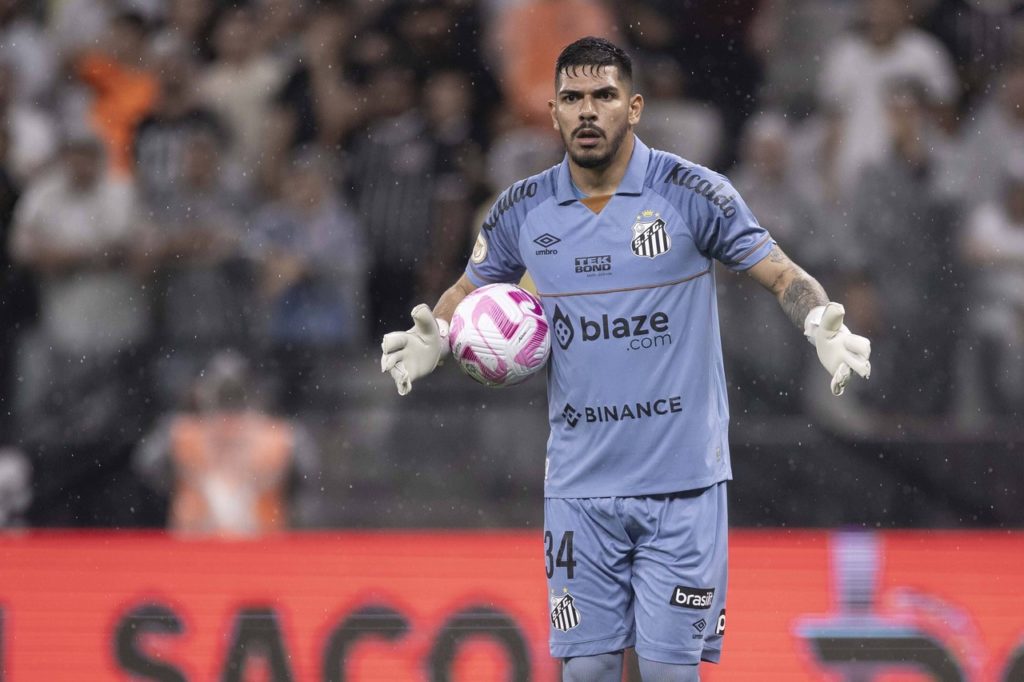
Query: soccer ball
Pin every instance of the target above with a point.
(499, 335)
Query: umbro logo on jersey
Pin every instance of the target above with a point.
(546, 241)
(650, 238)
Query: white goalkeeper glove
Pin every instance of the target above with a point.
(415, 353)
(838, 349)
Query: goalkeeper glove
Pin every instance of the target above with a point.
(838, 349)
(415, 353)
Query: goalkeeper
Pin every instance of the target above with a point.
(635, 521)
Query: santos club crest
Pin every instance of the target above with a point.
(564, 614)
(650, 238)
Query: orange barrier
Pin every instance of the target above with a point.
(411, 606)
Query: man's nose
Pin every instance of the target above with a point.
(587, 110)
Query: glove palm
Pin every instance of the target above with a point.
(414, 353)
(839, 350)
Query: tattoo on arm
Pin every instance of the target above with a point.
(796, 291)
(802, 294)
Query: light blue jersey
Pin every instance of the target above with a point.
(636, 387)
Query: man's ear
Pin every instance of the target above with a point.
(554, 118)
(636, 108)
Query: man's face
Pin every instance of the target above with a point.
(593, 110)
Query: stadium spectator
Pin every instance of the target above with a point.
(161, 138)
(26, 45)
(995, 136)
(77, 25)
(712, 46)
(318, 105)
(993, 246)
(906, 224)
(227, 466)
(123, 88)
(394, 189)
(673, 120)
(31, 132)
(789, 37)
(15, 488)
(983, 37)
(852, 88)
(17, 299)
(83, 395)
(202, 284)
(764, 177)
(187, 26)
(516, 150)
(457, 175)
(312, 259)
(239, 86)
(526, 38)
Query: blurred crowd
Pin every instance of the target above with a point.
(205, 205)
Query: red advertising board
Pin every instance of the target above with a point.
(411, 606)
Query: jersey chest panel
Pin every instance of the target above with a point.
(635, 241)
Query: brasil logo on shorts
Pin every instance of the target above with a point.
(564, 615)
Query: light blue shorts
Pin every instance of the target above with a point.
(645, 572)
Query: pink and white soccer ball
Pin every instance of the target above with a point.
(499, 335)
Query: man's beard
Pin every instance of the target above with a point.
(586, 161)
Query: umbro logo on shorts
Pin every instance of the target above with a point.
(697, 598)
(699, 627)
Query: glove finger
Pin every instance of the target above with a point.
(425, 324)
(858, 345)
(394, 341)
(840, 379)
(832, 317)
(389, 360)
(858, 364)
(401, 378)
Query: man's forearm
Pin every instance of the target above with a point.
(801, 295)
(451, 298)
(796, 291)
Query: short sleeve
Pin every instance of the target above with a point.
(724, 226)
(496, 256)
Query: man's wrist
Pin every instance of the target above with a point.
(812, 320)
(443, 329)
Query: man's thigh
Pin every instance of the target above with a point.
(680, 573)
(587, 559)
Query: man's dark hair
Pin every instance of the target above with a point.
(593, 52)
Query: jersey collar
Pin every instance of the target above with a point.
(632, 181)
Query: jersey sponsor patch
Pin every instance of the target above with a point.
(650, 238)
(479, 249)
(564, 614)
(697, 598)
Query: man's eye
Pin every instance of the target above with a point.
(569, 98)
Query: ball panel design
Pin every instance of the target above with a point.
(499, 335)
